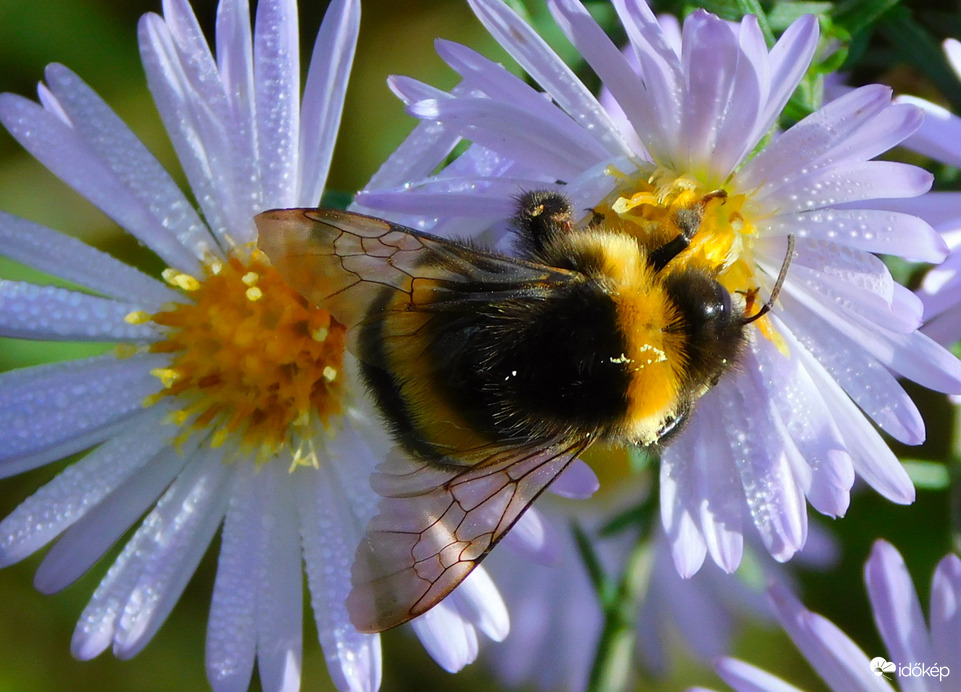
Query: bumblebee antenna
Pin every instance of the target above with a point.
(766, 308)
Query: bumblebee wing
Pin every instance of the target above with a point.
(344, 262)
(437, 522)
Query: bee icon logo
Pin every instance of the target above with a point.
(879, 667)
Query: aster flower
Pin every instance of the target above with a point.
(558, 620)
(228, 400)
(793, 421)
(920, 658)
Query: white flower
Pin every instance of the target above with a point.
(919, 658)
(228, 401)
(792, 423)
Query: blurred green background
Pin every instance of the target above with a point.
(97, 39)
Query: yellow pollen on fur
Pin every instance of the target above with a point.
(245, 364)
(723, 245)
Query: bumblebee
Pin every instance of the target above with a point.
(494, 372)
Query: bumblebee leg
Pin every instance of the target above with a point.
(541, 216)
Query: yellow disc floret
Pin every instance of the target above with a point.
(250, 359)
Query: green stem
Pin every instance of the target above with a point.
(954, 489)
(613, 661)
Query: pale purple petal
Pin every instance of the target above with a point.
(837, 659)
(196, 126)
(479, 603)
(604, 58)
(147, 578)
(330, 533)
(679, 508)
(897, 611)
(789, 60)
(720, 510)
(71, 259)
(323, 101)
(120, 149)
(235, 64)
(763, 461)
(280, 601)
(744, 677)
(841, 351)
(550, 72)
(444, 634)
(65, 152)
(845, 182)
(79, 488)
(816, 140)
(80, 546)
(168, 547)
(28, 311)
(512, 130)
(946, 614)
(578, 482)
(277, 84)
(870, 230)
(658, 118)
(816, 436)
(937, 137)
(48, 405)
(533, 538)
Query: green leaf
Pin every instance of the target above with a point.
(927, 475)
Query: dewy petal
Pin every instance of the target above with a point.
(48, 405)
(657, 122)
(197, 129)
(68, 258)
(277, 84)
(88, 539)
(762, 458)
(257, 601)
(80, 487)
(235, 63)
(870, 230)
(28, 311)
(815, 140)
(843, 183)
(550, 72)
(816, 436)
(897, 610)
(603, 56)
(63, 150)
(120, 149)
(843, 355)
(330, 533)
(324, 93)
(744, 677)
(143, 584)
(946, 613)
(172, 539)
(837, 659)
(512, 130)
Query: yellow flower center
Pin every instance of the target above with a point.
(649, 207)
(250, 360)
